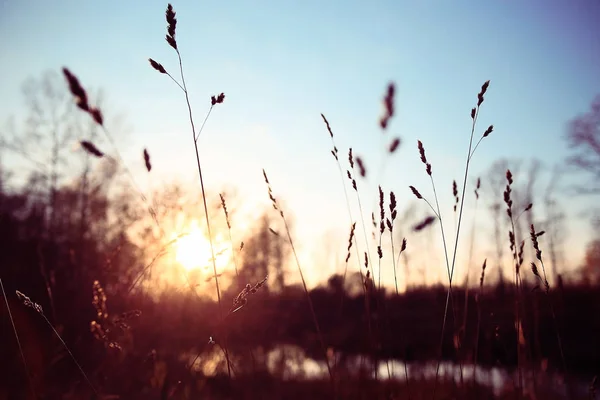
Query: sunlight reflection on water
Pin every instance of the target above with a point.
(291, 362)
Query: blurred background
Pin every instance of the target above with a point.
(105, 227)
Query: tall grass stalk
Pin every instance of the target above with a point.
(390, 225)
(310, 303)
(470, 259)
(513, 248)
(478, 299)
(334, 152)
(14, 327)
(474, 117)
(170, 38)
(28, 303)
(233, 256)
(367, 252)
(538, 253)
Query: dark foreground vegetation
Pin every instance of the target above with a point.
(271, 337)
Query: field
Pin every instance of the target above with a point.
(117, 289)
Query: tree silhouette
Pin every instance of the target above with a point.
(583, 137)
(591, 266)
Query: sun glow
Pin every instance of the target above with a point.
(193, 250)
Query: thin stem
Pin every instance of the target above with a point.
(558, 337)
(161, 252)
(175, 80)
(203, 123)
(394, 259)
(210, 239)
(71, 354)
(132, 179)
(475, 148)
(465, 314)
(462, 200)
(364, 281)
(477, 335)
(351, 219)
(306, 292)
(387, 364)
(312, 309)
(517, 304)
(394, 262)
(449, 295)
(235, 265)
(12, 321)
(355, 240)
(362, 219)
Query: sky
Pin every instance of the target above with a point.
(282, 64)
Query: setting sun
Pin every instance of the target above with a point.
(193, 250)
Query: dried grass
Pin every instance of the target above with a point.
(170, 38)
(310, 304)
(35, 306)
(437, 212)
(19, 345)
(104, 328)
(100, 326)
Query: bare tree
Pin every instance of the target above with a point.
(45, 141)
(65, 187)
(265, 253)
(591, 267)
(583, 137)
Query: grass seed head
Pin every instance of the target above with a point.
(147, 160)
(393, 205)
(172, 24)
(455, 194)
(482, 273)
(416, 192)
(28, 303)
(507, 199)
(224, 205)
(77, 90)
(480, 97)
(99, 301)
(388, 104)
(424, 223)
(422, 152)
(394, 145)
(157, 66)
(534, 239)
(327, 125)
(217, 99)
(91, 148)
(381, 205)
(362, 170)
(488, 131)
(350, 241)
(350, 158)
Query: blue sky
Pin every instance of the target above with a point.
(281, 64)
